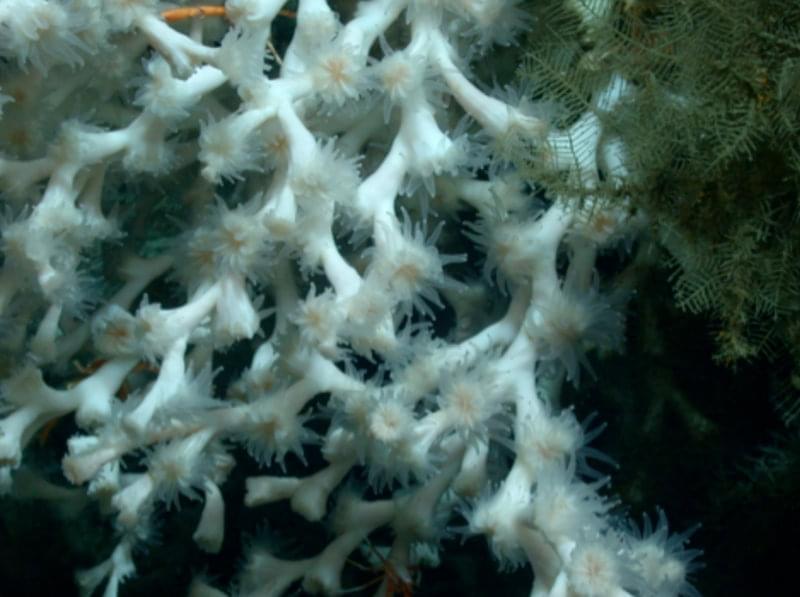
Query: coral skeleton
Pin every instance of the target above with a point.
(293, 239)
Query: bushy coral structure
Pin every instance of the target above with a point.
(711, 138)
(309, 232)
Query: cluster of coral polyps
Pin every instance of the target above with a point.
(334, 192)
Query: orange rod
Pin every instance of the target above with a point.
(174, 15)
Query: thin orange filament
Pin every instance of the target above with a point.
(174, 15)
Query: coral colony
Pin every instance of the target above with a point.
(289, 232)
